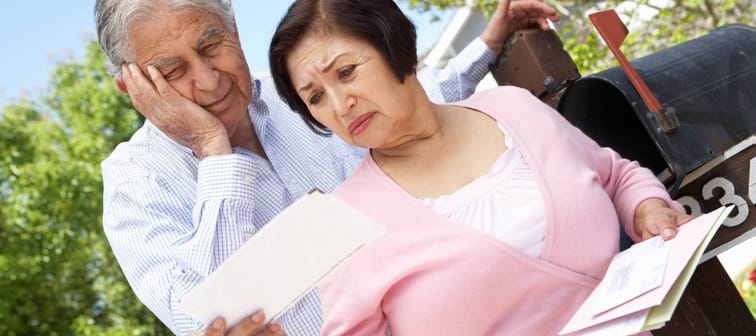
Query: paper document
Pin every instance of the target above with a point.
(627, 325)
(283, 261)
(605, 307)
(631, 273)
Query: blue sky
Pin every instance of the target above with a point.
(38, 33)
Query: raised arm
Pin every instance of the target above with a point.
(458, 79)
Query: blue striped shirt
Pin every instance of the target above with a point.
(172, 219)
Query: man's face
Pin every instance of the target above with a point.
(200, 58)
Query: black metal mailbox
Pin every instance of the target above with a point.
(707, 161)
(709, 81)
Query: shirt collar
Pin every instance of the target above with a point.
(259, 112)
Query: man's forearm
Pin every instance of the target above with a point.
(461, 75)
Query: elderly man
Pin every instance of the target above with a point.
(220, 153)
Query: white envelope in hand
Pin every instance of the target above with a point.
(283, 261)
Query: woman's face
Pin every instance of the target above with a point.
(349, 87)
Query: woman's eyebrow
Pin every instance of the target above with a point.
(326, 68)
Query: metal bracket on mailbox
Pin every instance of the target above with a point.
(613, 32)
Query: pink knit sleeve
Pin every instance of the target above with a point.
(625, 181)
(343, 312)
(350, 304)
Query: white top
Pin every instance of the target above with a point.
(505, 203)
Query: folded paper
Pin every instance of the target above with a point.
(655, 306)
(283, 261)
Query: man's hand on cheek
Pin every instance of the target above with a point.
(178, 117)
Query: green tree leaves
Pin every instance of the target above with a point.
(654, 24)
(57, 274)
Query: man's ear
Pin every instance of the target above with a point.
(120, 84)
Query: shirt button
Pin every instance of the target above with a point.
(247, 236)
(248, 178)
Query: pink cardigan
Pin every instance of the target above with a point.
(431, 276)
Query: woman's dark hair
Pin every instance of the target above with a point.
(378, 22)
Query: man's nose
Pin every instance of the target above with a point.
(206, 76)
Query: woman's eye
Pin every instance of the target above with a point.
(346, 71)
(315, 98)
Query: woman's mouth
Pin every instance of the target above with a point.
(361, 123)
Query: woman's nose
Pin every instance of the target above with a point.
(344, 103)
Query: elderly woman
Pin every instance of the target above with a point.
(501, 216)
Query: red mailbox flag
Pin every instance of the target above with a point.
(613, 32)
